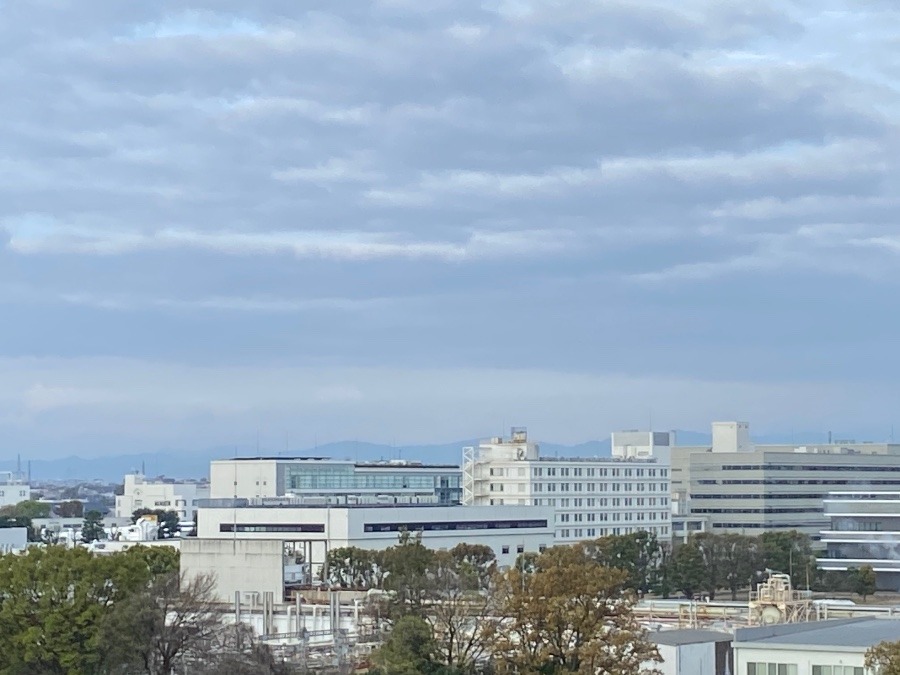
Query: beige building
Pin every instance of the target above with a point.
(167, 495)
(591, 496)
(744, 488)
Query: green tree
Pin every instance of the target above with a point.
(53, 604)
(92, 528)
(409, 650)
(639, 554)
(158, 560)
(30, 509)
(167, 520)
(406, 574)
(571, 615)
(884, 658)
(688, 571)
(353, 567)
(864, 581)
(788, 552)
(739, 561)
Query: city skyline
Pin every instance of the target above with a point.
(410, 226)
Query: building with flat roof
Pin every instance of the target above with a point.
(165, 494)
(592, 496)
(746, 488)
(833, 647)
(13, 489)
(864, 530)
(266, 477)
(315, 529)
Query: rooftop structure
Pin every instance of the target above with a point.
(690, 651)
(592, 496)
(264, 477)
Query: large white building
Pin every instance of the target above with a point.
(13, 489)
(592, 496)
(749, 489)
(167, 495)
(269, 477)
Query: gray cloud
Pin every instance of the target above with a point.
(649, 190)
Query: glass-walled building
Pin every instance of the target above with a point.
(268, 477)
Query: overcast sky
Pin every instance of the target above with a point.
(405, 221)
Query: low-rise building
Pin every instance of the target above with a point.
(864, 530)
(592, 496)
(13, 539)
(833, 647)
(161, 493)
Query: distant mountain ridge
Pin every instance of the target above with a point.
(187, 464)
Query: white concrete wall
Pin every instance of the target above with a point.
(13, 493)
(243, 478)
(238, 565)
(346, 526)
(804, 658)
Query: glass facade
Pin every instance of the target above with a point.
(301, 478)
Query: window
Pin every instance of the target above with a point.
(505, 550)
(520, 548)
(837, 670)
(759, 668)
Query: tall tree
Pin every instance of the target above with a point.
(406, 574)
(639, 554)
(739, 560)
(688, 569)
(884, 658)
(409, 650)
(571, 615)
(92, 528)
(864, 579)
(788, 552)
(353, 567)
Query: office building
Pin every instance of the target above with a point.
(592, 496)
(269, 477)
(749, 489)
(163, 494)
(13, 489)
(832, 647)
(864, 530)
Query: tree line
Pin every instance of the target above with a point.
(65, 611)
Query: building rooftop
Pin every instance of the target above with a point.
(688, 636)
(382, 464)
(859, 633)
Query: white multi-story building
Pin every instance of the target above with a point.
(164, 494)
(636, 444)
(13, 489)
(592, 496)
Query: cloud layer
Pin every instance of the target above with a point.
(631, 194)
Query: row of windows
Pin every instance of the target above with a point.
(785, 481)
(591, 472)
(457, 525)
(602, 487)
(807, 467)
(590, 532)
(22, 493)
(811, 495)
(592, 517)
(763, 510)
(577, 502)
(271, 527)
(761, 668)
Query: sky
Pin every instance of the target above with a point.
(231, 223)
